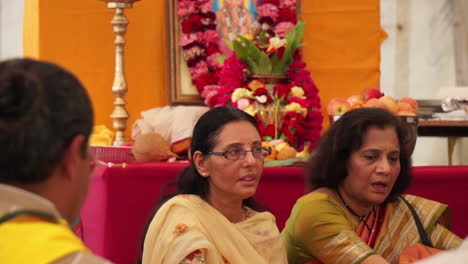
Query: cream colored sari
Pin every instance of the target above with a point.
(187, 223)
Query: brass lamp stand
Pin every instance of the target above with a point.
(119, 87)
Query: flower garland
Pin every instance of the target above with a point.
(199, 41)
(232, 83)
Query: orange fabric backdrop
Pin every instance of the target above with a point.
(342, 48)
(78, 35)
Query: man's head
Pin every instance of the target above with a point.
(46, 119)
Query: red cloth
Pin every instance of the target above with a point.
(122, 199)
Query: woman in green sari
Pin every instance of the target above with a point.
(355, 213)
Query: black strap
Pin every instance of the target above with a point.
(44, 215)
(422, 233)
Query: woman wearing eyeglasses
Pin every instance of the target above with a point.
(210, 218)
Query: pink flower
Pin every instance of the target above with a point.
(223, 100)
(185, 8)
(199, 69)
(268, 10)
(210, 36)
(206, 7)
(273, 2)
(288, 4)
(210, 93)
(213, 60)
(283, 28)
(190, 38)
(233, 73)
(203, 80)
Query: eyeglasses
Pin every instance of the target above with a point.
(239, 153)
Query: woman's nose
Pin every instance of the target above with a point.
(250, 158)
(383, 165)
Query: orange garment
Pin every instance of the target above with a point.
(417, 252)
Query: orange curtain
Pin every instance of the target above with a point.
(342, 46)
(79, 36)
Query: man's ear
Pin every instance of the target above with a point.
(200, 162)
(72, 156)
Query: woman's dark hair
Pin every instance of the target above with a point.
(328, 166)
(42, 108)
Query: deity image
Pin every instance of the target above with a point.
(235, 17)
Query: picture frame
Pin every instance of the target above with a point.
(181, 89)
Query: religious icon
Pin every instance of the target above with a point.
(235, 17)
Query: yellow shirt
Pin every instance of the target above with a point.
(33, 239)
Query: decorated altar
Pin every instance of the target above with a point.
(246, 54)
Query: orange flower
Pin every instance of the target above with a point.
(180, 228)
(255, 84)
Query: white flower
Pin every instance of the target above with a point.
(295, 107)
(276, 43)
(243, 103)
(261, 98)
(241, 93)
(297, 91)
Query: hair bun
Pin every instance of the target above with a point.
(18, 96)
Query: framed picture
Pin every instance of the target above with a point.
(189, 37)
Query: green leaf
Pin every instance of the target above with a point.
(240, 50)
(294, 39)
(229, 44)
(264, 63)
(221, 59)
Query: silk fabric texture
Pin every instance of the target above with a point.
(320, 228)
(186, 223)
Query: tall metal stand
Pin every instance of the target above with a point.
(120, 114)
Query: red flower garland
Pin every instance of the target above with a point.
(216, 84)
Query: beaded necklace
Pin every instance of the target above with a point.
(360, 218)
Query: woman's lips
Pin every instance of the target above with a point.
(380, 186)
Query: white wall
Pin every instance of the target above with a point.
(11, 28)
(418, 58)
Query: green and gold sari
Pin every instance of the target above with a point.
(321, 230)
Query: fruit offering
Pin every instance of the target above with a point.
(372, 97)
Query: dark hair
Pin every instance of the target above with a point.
(42, 108)
(328, 165)
(204, 139)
